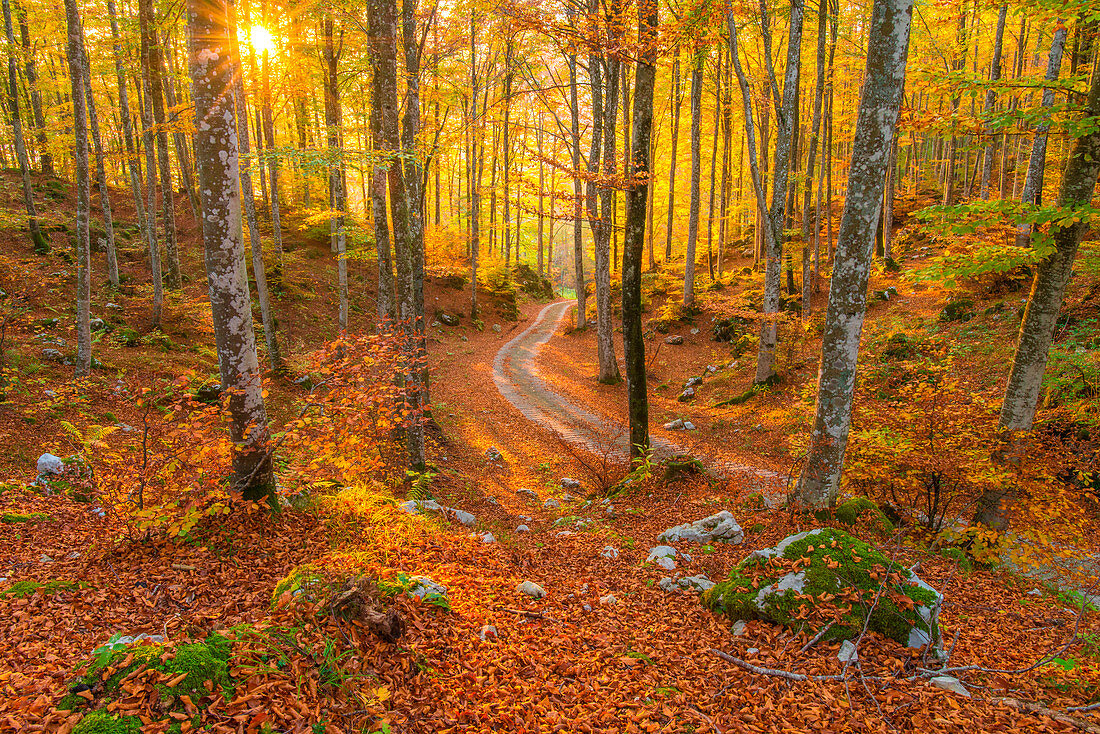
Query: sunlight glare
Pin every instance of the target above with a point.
(260, 39)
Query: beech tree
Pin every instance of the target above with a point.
(73, 52)
(216, 151)
(883, 86)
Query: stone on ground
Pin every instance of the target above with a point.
(50, 464)
(610, 552)
(806, 572)
(720, 526)
(530, 588)
(948, 683)
(570, 483)
(423, 586)
(664, 556)
(848, 652)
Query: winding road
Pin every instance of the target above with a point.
(517, 378)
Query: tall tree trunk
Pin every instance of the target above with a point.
(542, 189)
(634, 235)
(38, 240)
(45, 160)
(811, 161)
(990, 99)
(83, 197)
(1045, 302)
(578, 237)
(155, 270)
(259, 271)
(179, 138)
(677, 100)
(605, 341)
(714, 165)
(410, 267)
(696, 167)
(958, 65)
(101, 171)
(383, 20)
(272, 167)
(1033, 184)
(151, 61)
(875, 128)
(127, 122)
(337, 206)
(212, 65)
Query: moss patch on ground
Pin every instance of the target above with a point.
(822, 576)
(101, 722)
(189, 672)
(11, 517)
(23, 589)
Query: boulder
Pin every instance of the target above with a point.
(948, 683)
(808, 571)
(422, 587)
(531, 589)
(569, 483)
(674, 340)
(448, 318)
(528, 494)
(698, 584)
(466, 518)
(49, 464)
(610, 552)
(689, 426)
(662, 555)
(720, 526)
(523, 529)
(687, 395)
(693, 382)
(551, 504)
(676, 425)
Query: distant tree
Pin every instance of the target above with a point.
(883, 85)
(212, 67)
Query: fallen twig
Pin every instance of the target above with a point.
(774, 672)
(1090, 707)
(525, 613)
(817, 638)
(1035, 709)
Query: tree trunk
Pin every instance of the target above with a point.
(151, 60)
(714, 166)
(155, 270)
(179, 138)
(1045, 302)
(101, 172)
(677, 101)
(337, 234)
(578, 236)
(127, 125)
(259, 272)
(1033, 184)
(990, 98)
(38, 240)
(272, 169)
(383, 20)
(696, 163)
(83, 197)
(411, 262)
(45, 160)
(875, 128)
(212, 65)
(634, 236)
(958, 65)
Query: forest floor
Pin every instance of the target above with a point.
(606, 650)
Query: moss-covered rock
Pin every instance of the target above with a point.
(15, 517)
(826, 575)
(860, 510)
(23, 589)
(192, 670)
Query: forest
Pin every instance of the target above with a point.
(583, 366)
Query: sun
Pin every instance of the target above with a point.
(260, 39)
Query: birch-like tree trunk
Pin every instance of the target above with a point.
(337, 197)
(1045, 302)
(991, 98)
(255, 241)
(677, 101)
(127, 123)
(696, 168)
(578, 235)
(411, 261)
(634, 237)
(883, 84)
(101, 171)
(38, 240)
(1033, 184)
(212, 64)
(272, 167)
(83, 195)
(152, 65)
(155, 270)
(45, 159)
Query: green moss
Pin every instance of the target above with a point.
(837, 570)
(861, 509)
(23, 589)
(754, 501)
(31, 518)
(101, 722)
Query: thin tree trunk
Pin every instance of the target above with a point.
(696, 164)
(272, 169)
(45, 160)
(605, 342)
(127, 123)
(155, 269)
(83, 197)
(212, 64)
(714, 165)
(875, 128)
(677, 101)
(578, 236)
(991, 98)
(183, 157)
(38, 240)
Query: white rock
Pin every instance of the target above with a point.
(608, 600)
(664, 556)
(675, 425)
(487, 631)
(720, 526)
(528, 493)
(523, 529)
(488, 538)
(414, 507)
(530, 588)
(464, 517)
(609, 552)
(689, 426)
(848, 652)
(421, 586)
(50, 464)
(569, 483)
(948, 683)
(551, 504)
(738, 628)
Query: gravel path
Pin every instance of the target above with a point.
(517, 378)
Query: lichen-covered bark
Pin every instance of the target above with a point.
(578, 236)
(216, 151)
(634, 237)
(83, 197)
(1047, 291)
(41, 245)
(677, 100)
(875, 127)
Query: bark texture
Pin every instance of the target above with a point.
(83, 194)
